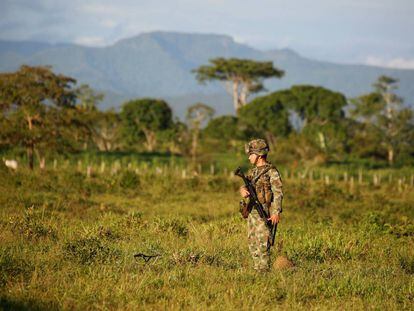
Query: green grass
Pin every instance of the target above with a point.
(68, 243)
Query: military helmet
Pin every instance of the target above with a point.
(257, 146)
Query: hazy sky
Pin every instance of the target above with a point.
(376, 32)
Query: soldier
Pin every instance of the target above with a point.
(268, 184)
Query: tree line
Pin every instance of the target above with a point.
(43, 112)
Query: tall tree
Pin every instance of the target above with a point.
(267, 117)
(144, 118)
(34, 102)
(106, 130)
(383, 112)
(224, 133)
(84, 116)
(321, 112)
(197, 115)
(242, 76)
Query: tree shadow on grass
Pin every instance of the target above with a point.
(7, 304)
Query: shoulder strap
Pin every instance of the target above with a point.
(262, 173)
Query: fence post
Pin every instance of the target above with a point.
(199, 168)
(351, 185)
(399, 185)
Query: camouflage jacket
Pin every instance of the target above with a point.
(268, 187)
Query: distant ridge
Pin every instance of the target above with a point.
(159, 64)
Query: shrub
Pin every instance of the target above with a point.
(174, 225)
(129, 180)
(90, 250)
(12, 267)
(31, 225)
(406, 263)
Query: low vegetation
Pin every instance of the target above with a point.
(69, 240)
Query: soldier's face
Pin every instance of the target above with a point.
(252, 158)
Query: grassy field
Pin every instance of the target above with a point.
(68, 242)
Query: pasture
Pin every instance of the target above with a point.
(69, 234)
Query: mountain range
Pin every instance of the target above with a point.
(159, 64)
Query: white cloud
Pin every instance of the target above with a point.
(109, 23)
(90, 41)
(400, 63)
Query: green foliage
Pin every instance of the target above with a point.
(344, 243)
(406, 263)
(13, 266)
(31, 226)
(323, 127)
(245, 69)
(315, 103)
(386, 128)
(174, 225)
(129, 180)
(246, 76)
(266, 116)
(222, 128)
(37, 109)
(143, 118)
(90, 250)
(222, 134)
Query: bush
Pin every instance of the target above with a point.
(31, 226)
(90, 250)
(129, 180)
(406, 263)
(174, 225)
(12, 267)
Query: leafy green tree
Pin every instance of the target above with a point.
(176, 139)
(34, 103)
(88, 98)
(315, 104)
(243, 76)
(384, 118)
(266, 117)
(87, 117)
(106, 130)
(321, 114)
(319, 111)
(223, 133)
(197, 115)
(143, 118)
(100, 128)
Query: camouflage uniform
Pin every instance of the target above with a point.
(268, 185)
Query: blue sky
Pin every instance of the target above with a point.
(377, 32)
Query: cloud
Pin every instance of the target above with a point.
(90, 41)
(400, 63)
(109, 23)
(342, 30)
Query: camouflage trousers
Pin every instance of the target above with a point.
(258, 235)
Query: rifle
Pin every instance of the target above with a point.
(254, 201)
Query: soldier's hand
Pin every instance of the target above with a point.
(275, 219)
(243, 192)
